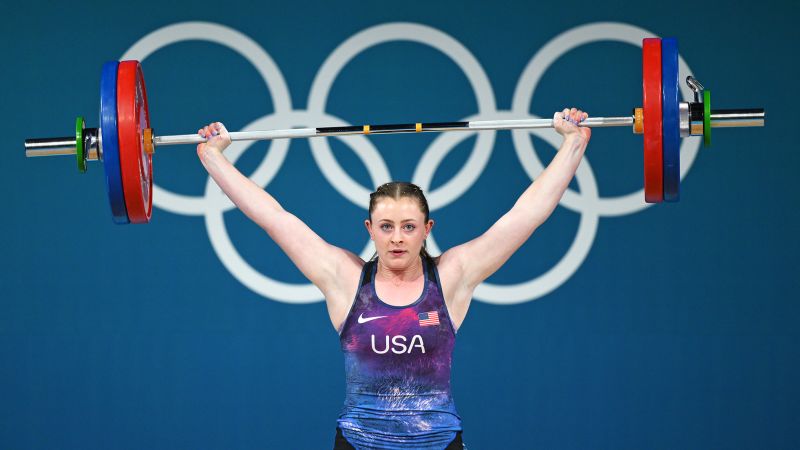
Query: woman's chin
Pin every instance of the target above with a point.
(397, 260)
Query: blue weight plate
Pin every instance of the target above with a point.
(110, 142)
(671, 120)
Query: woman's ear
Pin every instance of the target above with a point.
(428, 227)
(368, 225)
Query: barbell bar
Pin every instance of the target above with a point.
(726, 118)
(125, 141)
(67, 145)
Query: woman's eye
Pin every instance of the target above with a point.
(386, 227)
(409, 227)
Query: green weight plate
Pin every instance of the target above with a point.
(707, 118)
(80, 151)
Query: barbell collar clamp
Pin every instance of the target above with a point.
(684, 121)
(696, 87)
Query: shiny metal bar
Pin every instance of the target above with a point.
(723, 118)
(66, 145)
(593, 122)
(49, 146)
(62, 146)
(238, 136)
(313, 132)
(731, 118)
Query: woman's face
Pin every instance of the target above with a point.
(398, 229)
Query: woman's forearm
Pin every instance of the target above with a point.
(543, 195)
(254, 202)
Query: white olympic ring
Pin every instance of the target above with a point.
(428, 36)
(213, 204)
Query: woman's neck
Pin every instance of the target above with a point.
(402, 275)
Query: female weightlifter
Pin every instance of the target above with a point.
(397, 314)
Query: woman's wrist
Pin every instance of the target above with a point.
(209, 153)
(574, 142)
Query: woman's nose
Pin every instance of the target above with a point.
(396, 236)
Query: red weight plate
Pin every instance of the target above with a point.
(653, 145)
(132, 119)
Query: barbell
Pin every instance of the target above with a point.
(125, 141)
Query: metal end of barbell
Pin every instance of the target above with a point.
(49, 146)
(65, 145)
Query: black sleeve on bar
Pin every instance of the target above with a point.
(352, 129)
(444, 125)
(400, 127)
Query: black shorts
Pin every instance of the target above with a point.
(341, 443)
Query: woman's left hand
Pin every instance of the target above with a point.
(566, 124)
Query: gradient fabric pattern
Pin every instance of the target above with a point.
(397, 368)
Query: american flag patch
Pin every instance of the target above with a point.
(427, 319)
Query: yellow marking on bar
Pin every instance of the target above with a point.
(419, 127)
(366, 129)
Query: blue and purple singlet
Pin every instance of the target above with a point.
(397, 367)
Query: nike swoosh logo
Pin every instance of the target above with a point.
(362, 319)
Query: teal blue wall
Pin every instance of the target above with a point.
(675, 328)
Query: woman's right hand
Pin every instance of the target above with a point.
(217, 139)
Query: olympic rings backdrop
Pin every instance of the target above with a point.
(618, 325)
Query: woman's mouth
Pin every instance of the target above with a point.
(397, 252)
